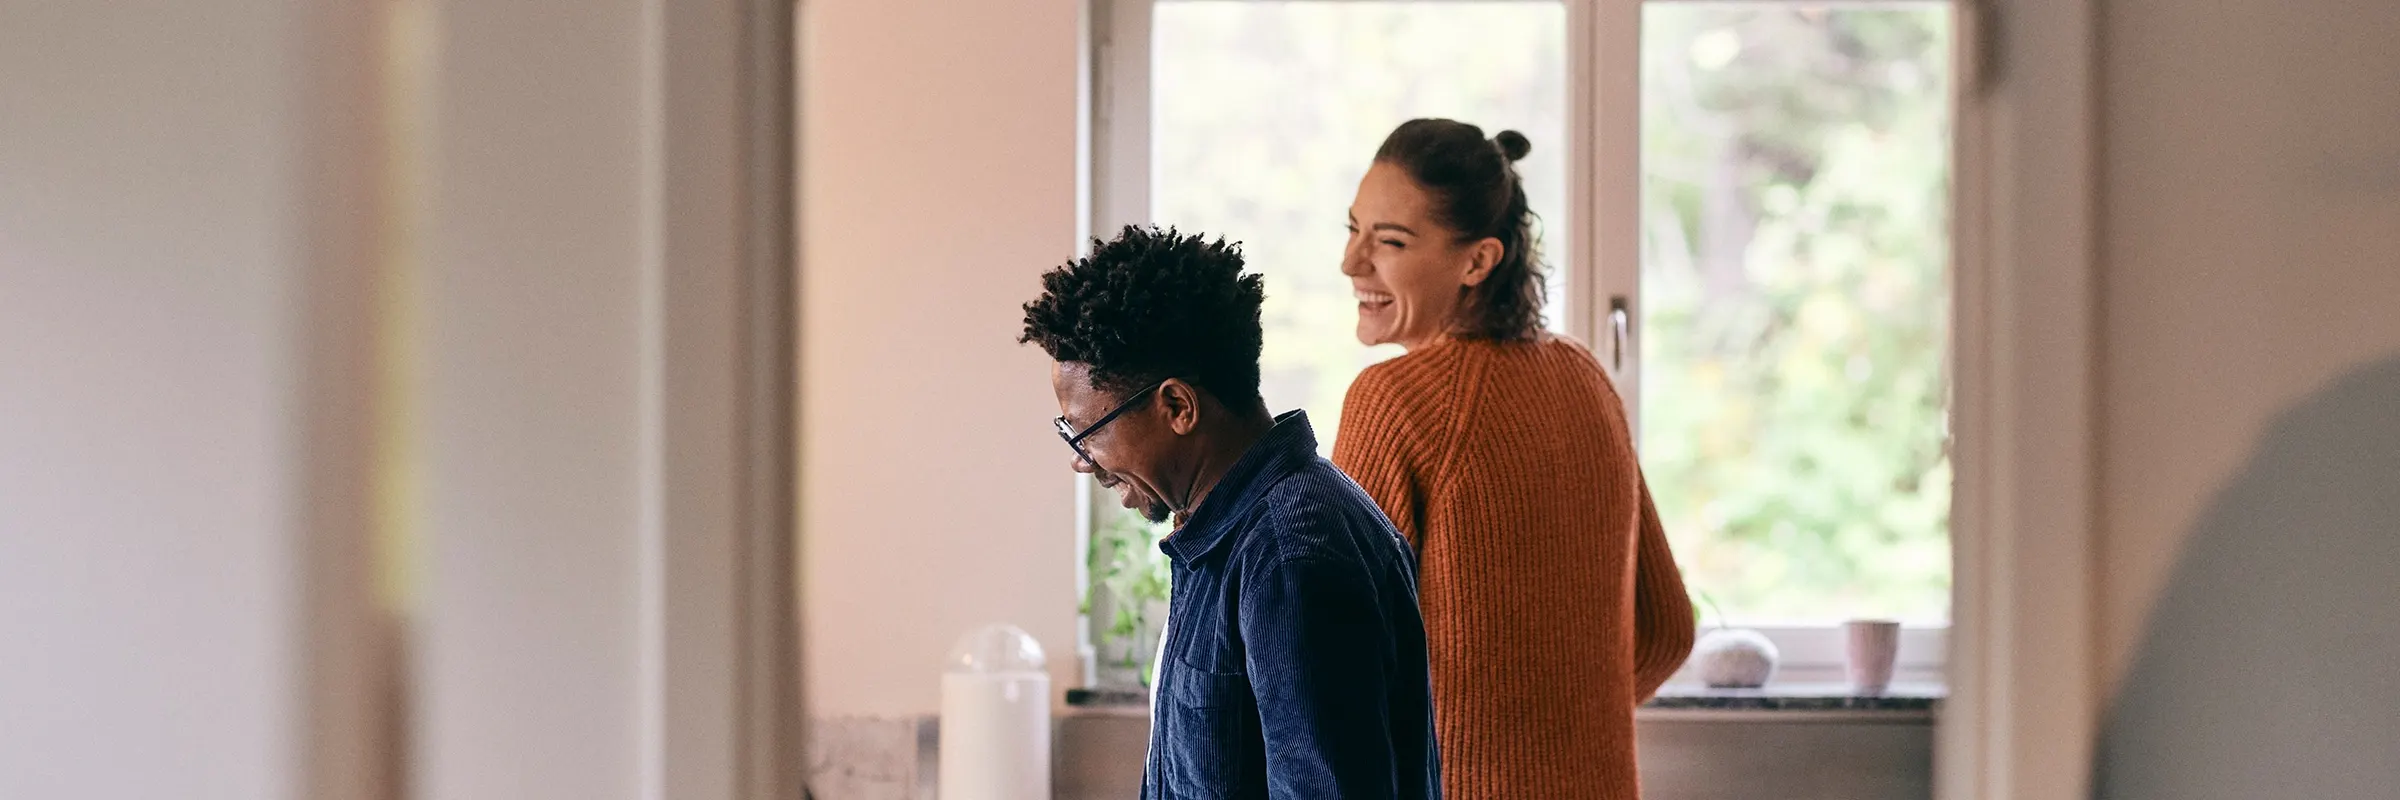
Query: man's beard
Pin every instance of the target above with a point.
(1150, 507)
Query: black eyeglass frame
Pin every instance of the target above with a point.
(1074, 440)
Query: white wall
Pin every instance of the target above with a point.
(529, 636)
(192, 264)
(2251, 252)
(158, 238)
(938, 182)
(603, 296)
(2250, 308)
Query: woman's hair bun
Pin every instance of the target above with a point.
(1513, 145)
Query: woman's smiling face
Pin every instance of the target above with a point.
(1408, 271)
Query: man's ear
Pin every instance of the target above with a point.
(1181, 401)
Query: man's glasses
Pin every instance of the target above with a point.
(1075, 440)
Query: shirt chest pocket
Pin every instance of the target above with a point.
(1214, 719)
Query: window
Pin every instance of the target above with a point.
(1266, 114)
(1262, 117)
(1794, 304)
(1767, 206)
(1793, 309)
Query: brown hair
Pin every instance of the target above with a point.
(1476, 191)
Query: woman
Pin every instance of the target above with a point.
(1552, 606)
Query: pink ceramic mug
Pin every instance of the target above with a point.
(1873, 647)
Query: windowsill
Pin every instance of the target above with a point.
(1111, 700)
(1796, 702)
(1695, 742)
(1904, 699)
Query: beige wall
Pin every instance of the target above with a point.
(938, 182)
(2250, 251)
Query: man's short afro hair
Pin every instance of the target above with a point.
(1153, 305)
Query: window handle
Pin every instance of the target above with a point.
(1620, 323)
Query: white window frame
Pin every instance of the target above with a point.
(1603, 208)
(2021, 669)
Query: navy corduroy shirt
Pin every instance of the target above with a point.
(1293, 664)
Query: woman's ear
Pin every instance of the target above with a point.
(1482, 259)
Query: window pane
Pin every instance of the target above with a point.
(1267, 114)
(1795, 304)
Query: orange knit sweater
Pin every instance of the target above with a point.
(1552, 606)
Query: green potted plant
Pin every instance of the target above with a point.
(1126, 601)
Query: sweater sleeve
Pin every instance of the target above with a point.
(1377, 445)
(1662, 611)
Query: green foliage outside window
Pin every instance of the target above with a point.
(1795, 293)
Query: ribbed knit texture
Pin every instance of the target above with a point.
(1552, 605)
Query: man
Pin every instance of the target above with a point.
(1293, 664)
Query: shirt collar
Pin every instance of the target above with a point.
(1286, 447)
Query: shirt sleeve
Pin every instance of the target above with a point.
(1317, 652)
